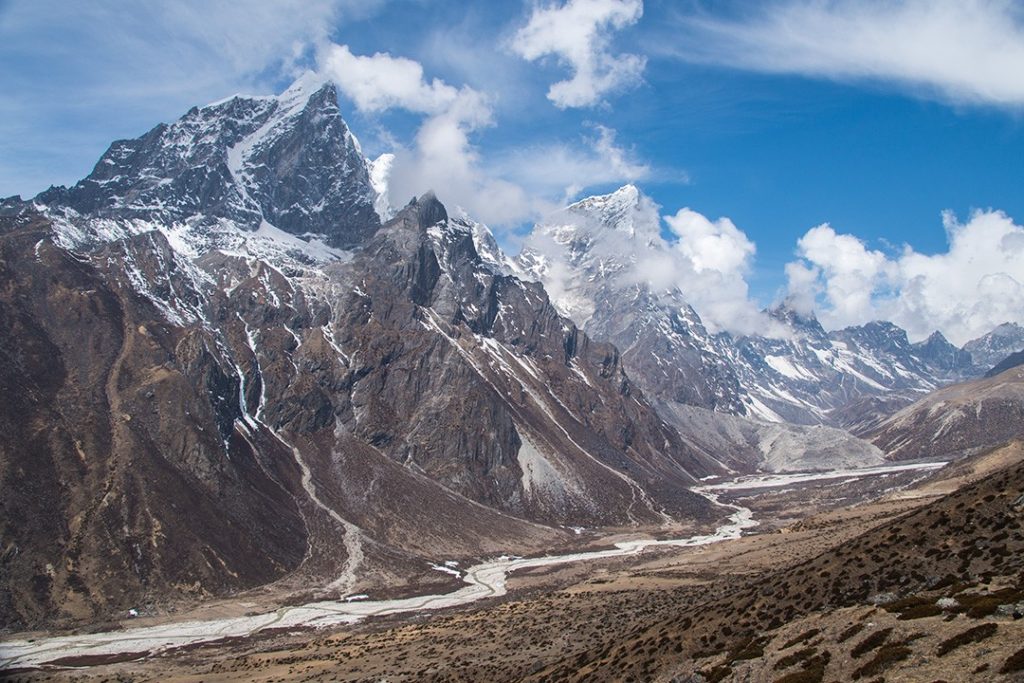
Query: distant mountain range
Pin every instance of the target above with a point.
(801, 374)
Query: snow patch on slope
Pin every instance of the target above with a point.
(380, 174)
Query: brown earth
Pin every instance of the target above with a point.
(956, 420)
(814, 601)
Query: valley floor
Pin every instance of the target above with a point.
(538, 613)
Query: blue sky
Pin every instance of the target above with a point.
(872, 117)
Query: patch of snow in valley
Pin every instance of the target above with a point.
(760, 481)
(446, 569)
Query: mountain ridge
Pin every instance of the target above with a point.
(591, 256)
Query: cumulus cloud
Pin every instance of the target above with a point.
(578, 35)
(706, 260)
(851, 274)
(964, 292)
(710, 261)
(380, 82)
(711, 245)
(965, 51)
(804, 286)
(442, 156)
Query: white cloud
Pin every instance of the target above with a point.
(803, 283)
(111, 49)
(964, 292)
(559, 172)
(577, 33)
(380, 82)
(850, 272)
(711, 260)
(707, 260)
(969, 51)
(442, 156)
(711, 245)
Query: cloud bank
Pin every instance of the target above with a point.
(964, 51)
(964, 292)
(577, 34)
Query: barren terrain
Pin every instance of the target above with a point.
(566, 618)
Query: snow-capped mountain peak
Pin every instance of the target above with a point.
(290, 161)
(992, 348)
(616, 210)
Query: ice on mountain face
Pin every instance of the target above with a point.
(380, 174)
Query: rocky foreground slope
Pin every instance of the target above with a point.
(865, 610)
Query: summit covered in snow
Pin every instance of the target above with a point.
(289, 161)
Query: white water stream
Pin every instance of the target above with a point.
(482, 581)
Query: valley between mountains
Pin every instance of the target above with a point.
(259, 424)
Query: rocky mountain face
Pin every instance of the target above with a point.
(990, 349)
(956, 420)
(593, 258)
(121, 469)
(290, 161)
(223, 371)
